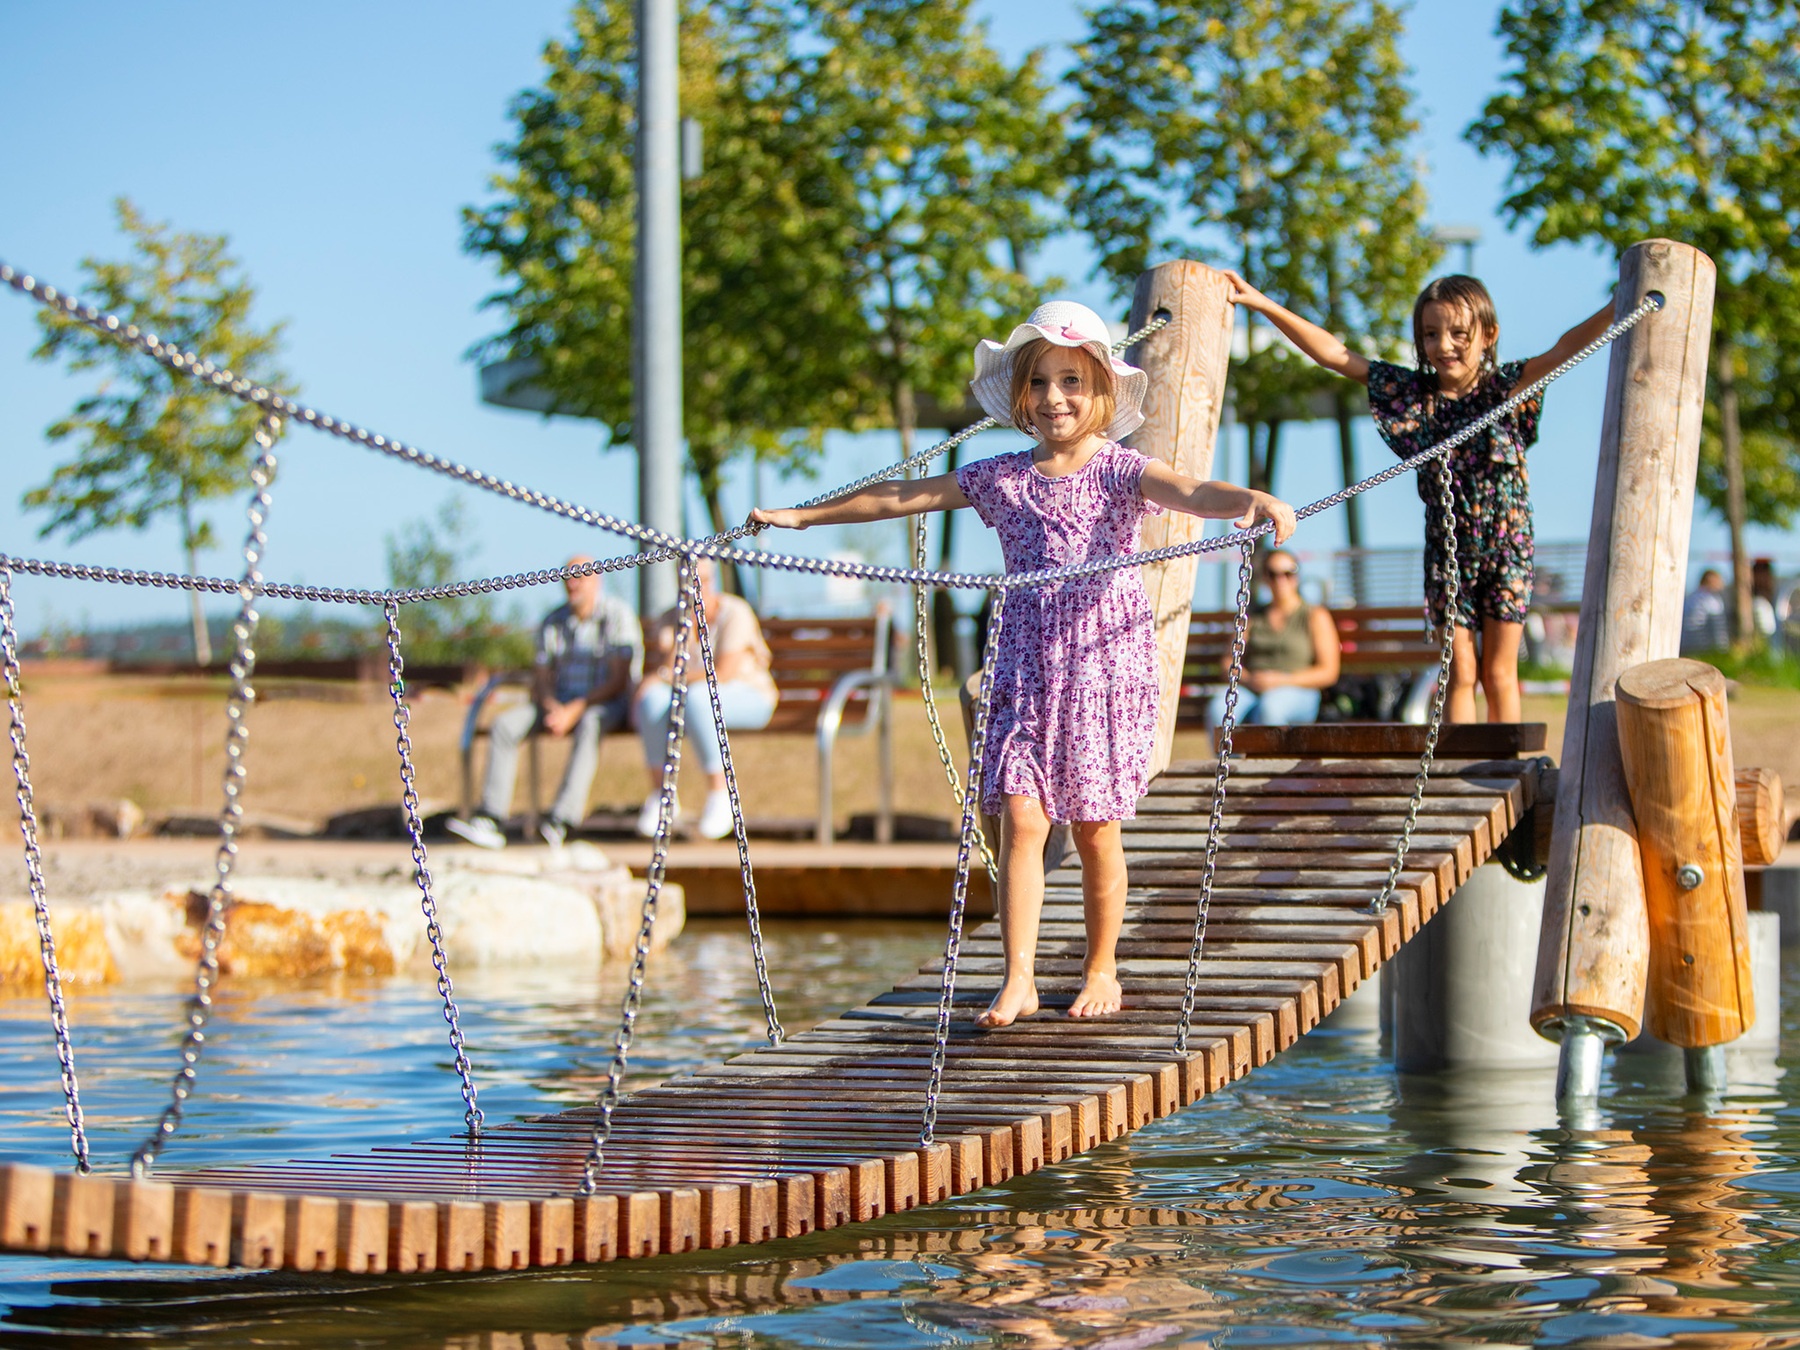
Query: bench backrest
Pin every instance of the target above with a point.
(808, 656)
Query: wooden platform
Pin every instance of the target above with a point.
(823, 1130)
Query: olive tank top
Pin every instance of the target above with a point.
(1285, 649)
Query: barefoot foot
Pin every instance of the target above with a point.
(1017, 998)
(1100, 994)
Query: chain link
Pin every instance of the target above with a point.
(959, 894)
(34, 872)
(1227, 725)
(1452, 595)
(415, 830)
(231, 813)
(738, 829)
(922, 625)
(653, 876)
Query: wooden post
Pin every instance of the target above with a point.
(1186, 362)
(1762, 816)
(1594, 948)
(1675, 741)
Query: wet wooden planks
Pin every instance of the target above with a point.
(823, 1129)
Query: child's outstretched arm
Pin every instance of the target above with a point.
(1215, 501)
(883, 501)
(1567, 345)
(1324, 349)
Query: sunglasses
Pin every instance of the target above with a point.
(1280, 574)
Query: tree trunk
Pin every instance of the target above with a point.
(1732, 451)
(1262, 466)
(1353, 508)
(943, 603)
(202, 642)
(708, 466)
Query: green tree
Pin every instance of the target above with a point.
(1272, 136)
(148, 442)
(434, 552)
(1624, 119)
(771, 329)
(943, 160)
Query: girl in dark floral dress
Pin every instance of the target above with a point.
(1458, 379)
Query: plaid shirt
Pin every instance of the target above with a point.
(577, 650)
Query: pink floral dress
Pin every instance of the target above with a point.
(1074, 706)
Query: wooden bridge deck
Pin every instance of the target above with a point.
(823, 1129)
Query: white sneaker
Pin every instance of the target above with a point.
(553, 831)
(481, 831)
(648, 815)
(715, 816)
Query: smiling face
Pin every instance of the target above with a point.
(1454, 342)
(1061, 395)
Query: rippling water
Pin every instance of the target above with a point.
(1322, 1201)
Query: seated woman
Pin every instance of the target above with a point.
(746, 696)
(1290, 655)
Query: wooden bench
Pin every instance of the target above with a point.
(832, 676)
(1375, 640)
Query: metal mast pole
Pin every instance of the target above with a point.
(657, 318)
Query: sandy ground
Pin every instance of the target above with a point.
(160, 745)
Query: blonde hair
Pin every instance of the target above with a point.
(1099, 377)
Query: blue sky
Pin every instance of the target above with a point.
(335, 144)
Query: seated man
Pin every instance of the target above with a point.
(589, 653)
(1705, 620)
(1291, 654)
(747, 697)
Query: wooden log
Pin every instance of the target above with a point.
(1593, 951)
(1186, 362)
(1675, 741)
(1762, 816)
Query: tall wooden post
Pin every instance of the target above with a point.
(1186, 362)
(1594, 947)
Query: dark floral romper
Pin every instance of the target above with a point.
(1488, 483)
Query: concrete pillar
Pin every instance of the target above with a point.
(1462, 988)
(656, 323)
(1781, 896)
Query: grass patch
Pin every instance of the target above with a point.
(1761, 666)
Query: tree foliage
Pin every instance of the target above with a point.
(1625, 119)
(463, 628)
(148, 442)
(1267, 135)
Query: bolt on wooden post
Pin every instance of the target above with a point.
(1675, 740)
(1593, 951)
(1186, 362)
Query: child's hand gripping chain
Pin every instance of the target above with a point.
(1073, 717)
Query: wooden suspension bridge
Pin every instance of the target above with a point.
(822, 1130)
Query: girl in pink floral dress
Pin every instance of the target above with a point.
(1073, 714)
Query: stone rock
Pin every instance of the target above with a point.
(83, 955)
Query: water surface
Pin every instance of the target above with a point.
(1322, 1201)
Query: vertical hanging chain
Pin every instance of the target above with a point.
(738, 830)
(959, 894)
(653, 877)
(415, 830)
(34, 872)
(1452, 599)
(231, 813)
(922, 628)
(1214, 824)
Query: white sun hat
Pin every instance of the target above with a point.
(1067, 324)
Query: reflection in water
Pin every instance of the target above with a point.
(1321, 1201)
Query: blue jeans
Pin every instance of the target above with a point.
(746, 706)
(1285, 706)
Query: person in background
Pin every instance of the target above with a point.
(746, 695)
(1291, 654)
(1762, 599)
(1705, 623)
(589, 653)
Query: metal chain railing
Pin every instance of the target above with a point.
(959, 894)
(34, 873)
(738, 829)
(659, 861)
(1215, 822)
(415, 832)
(922, 647)
(1446, 655)
(231, 813)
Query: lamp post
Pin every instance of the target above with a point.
(1466, 235)
(656, 316)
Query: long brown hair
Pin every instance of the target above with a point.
(1100, 380)
(1468, 295)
